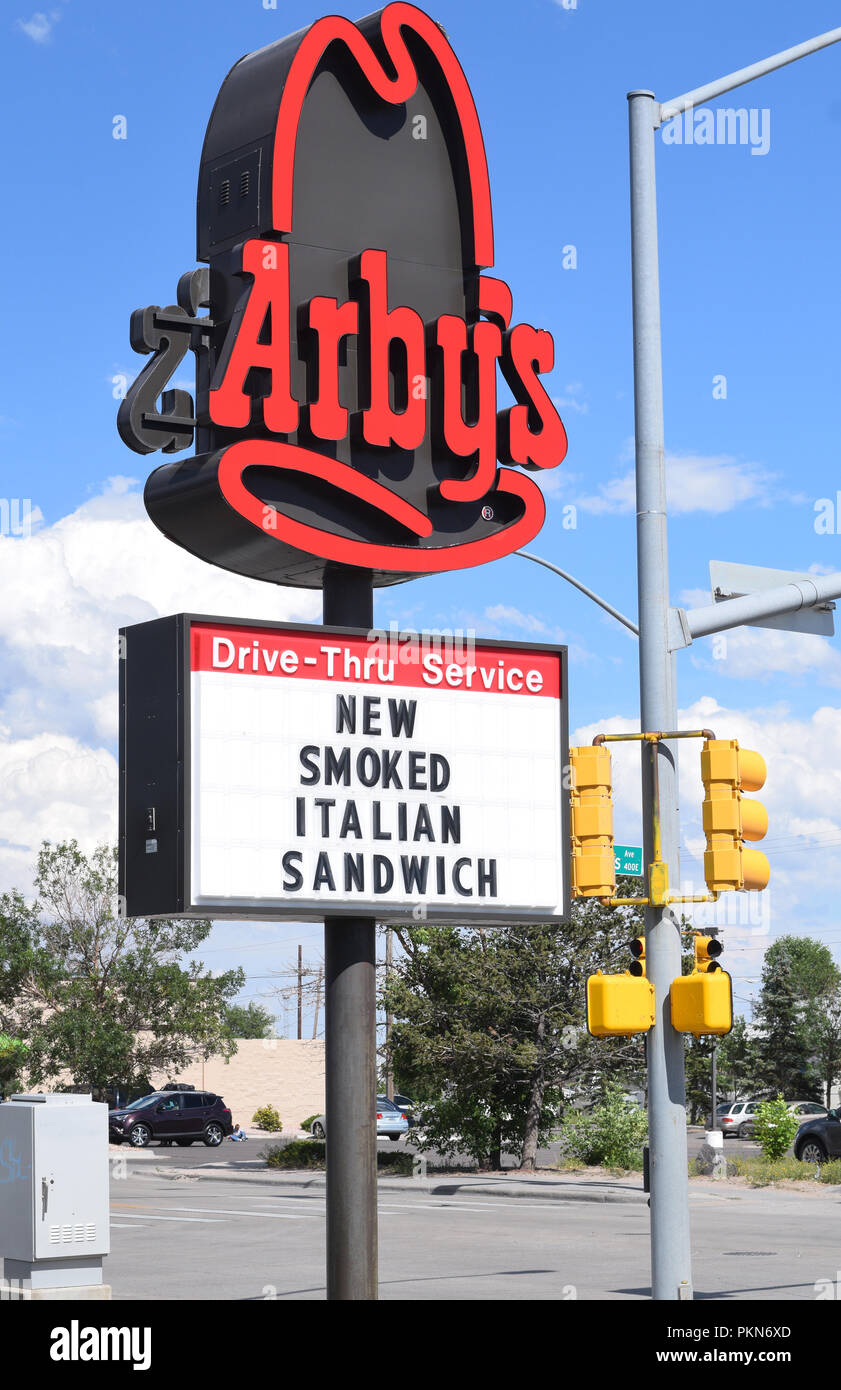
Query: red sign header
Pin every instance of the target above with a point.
(421, 661)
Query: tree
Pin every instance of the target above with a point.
(489, 1027)
(798, 977)
(827, 1042)
(106, 1000)
(251, 1022)
(738, 1062)
(13, 1055)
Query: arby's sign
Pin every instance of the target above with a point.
(349, 406)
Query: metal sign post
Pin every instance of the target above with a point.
(350, 1041)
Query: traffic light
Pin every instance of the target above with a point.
(730, 818)
(621, 1005)
(707, 950)
(703, 1001)
(637, 966)
(591, 822)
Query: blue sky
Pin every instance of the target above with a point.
(97, 226)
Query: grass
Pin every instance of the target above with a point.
(762, 1172)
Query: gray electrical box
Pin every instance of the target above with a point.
(54, 1217)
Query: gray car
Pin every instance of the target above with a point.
(739, 1118)
(391, 1122)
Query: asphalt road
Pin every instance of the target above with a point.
(227, 1239)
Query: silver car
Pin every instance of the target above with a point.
(739, 1118)
(391, 1122)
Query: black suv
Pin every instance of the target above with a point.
(819, 1139)
(179, 1116)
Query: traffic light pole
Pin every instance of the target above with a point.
(661, 633)
(671, 1275)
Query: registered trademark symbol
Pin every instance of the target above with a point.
(488, 513)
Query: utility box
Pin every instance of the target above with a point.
(54, 1215)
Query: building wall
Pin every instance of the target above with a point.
(282, 1072)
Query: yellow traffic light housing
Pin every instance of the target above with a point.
(707, 950)
(703, 1001)
(619, 1005)
(637, 966)
(730, 818)
(591, 823)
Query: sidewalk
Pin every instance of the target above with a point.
(541, 1187)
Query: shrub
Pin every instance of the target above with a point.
(266, 1117)
(311, 1153)
(307, 1123)
(612, 1134)
(299, 1153)
(775, 1127)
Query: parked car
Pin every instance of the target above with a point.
(819, 1139)
(171, 1116)
(808, 1109)
(391, 1122)
(738, 1119)
(409, 1108)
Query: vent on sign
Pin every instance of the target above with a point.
(224, 193)
(244, 183)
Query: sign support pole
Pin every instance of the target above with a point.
(350, 1041)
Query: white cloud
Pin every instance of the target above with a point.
(571, 399)
(504, 615)
(40, 26)
(758, 653)
(67, 589)
(694, 483)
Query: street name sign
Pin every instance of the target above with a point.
(628, 860)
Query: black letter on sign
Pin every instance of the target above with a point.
(308, 756)
(346, 714)
(402, 714)
(323, 873)
(383, 873)
(296, 878)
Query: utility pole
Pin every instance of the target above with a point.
(671, 1276)
(661, 632)
(300, 994)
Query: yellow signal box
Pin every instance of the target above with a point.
(703, 1001)
(730, 818)
(619, 1005)
(591, 822)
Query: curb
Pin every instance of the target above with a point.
(539, 1190)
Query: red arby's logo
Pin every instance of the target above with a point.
(347, 406)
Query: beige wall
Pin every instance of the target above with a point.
(281, 1072)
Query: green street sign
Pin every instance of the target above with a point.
(628, 860)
